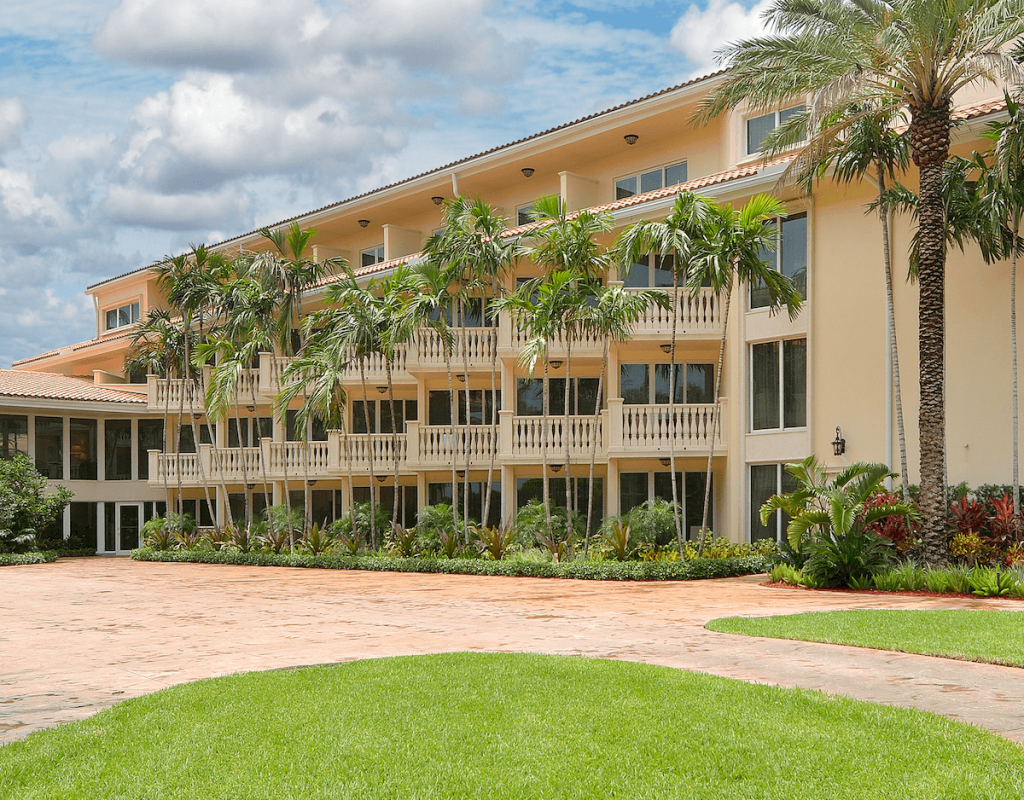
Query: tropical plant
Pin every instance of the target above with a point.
(911, 54)
(831, 519)
(404, 540)
(672, 240)
(618, 537)
(985, 582)
(318, 540)
(27, 503)
(274, 540)
(653, 522)
(21, 541)
(187, 534)
(494, 541)
(157, 534)
(729, 253)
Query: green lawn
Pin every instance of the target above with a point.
(497, 726)
(993, 636)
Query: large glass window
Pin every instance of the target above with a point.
(530, 397)
(380, 415)
(759, 127)
(634, 490)
(778, 387)
(83, 449)
(117, 449)
(652, 179)
(438, 493)
(789, 258)
(765, 481)
(50, 447)
(439, 411)
(151, 437)
(694, 383)
(371, 256)
(120, 317)
(13, 435)
(84, 525)
(186, 439)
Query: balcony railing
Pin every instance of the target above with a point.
(170, 394)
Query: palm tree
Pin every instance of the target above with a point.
(611, 317)
(1003, 188)
(869, 144)
(730, 254)
(916, 55)
(672, 239)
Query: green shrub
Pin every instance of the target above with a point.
(619, 542)
(582, 569)
(436, 530)
(157, 534)
(651, 523)
(940, 581)
(494, 541)
(404, 541)
(17, 559)
(888, 581)
(911, 577)
(836, 560)
(784, 573)
(985, 582)
(27, 505)
(317, 541)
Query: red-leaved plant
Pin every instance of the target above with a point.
(896, 528)
(969, 516)
(1004, 525)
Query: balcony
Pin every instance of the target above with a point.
(170, 394)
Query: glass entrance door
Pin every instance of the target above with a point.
(129, 523)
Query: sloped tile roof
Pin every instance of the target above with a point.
(50, 386)
(71, 348)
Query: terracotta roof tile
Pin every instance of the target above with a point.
(50, 386)
(71, 348)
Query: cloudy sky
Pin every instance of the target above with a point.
(131, 128)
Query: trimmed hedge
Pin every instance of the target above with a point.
(579, 570)
(15, 559)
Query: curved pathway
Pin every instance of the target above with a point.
(80, 635)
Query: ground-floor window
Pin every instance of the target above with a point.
(199, 510)
(438, 493)
(766, 480)
(13, 435)
(408, 501)
(84, 525)
(529, 489)
(636, 488)
(236, 503)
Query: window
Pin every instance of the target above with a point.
(84, 527)
(471, 315)
(120, 317)
(191, 508)
(524, 214)
(375, 255)
(117, 449)
(694, 383)
(151, 437)
(530, 397)
(481, 407)
(13, 435)
(379, 412)
(438, 493)
(669, 175)
(759, 127)
(253, 429)
(789, 258)
(186, 439)
(528, 489)
(50, 447)
(636, 488)
(778, 386)
(84, 434)
(766, 480)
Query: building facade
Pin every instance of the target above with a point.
(787, 386)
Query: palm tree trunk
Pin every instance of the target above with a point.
(593, 447)
(369, 452)
(714, 421)
(469, 422)
(1013, 349)
(347, 446)
(394, 437)
(568, 441)
(891, 323)
(929, 140)
(241, 461)
(545, 411)
(453, 412)
(674, 305)
(494, 435)
(263, 463)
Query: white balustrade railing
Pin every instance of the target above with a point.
(699, 313)
(173, 393)
(169, 467)
(438, 447)
(378, 447)
(653, 427)
(296, 459)
(375, 365)
(237, 463)
(478, 343)
(585, 341)
(528, 436)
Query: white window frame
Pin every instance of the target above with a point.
(782, 386)
(777, 254)
(134, 315)
(778, 121)
(376, 252)
(780, 467)
(638, 175)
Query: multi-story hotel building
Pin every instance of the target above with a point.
(788, 384)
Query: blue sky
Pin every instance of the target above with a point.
(131, 128)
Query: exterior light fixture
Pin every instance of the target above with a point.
(631, 138)
(250, 486)
(665, 461)
(363, 223)
(666, 348)
(556, 467)
(528, 172)
(312, 482)
(461, 473)
(382, 389)
(437, 199)
(556, 364)
(250, 409)
(461, 378)
(839, 443)
(381, 478)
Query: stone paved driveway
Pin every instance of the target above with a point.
(82, 634)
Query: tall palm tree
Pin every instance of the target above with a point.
(869, 145)
(916, 54)
(730, 254)
(611, 317)
(1003, 188)
(671, 240)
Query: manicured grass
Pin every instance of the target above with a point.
(993, 636)
(506, 726)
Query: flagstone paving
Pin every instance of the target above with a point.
(80, 635)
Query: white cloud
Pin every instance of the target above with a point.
(700, 33)
(129, 206)
(21, 202)
(14, 120)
